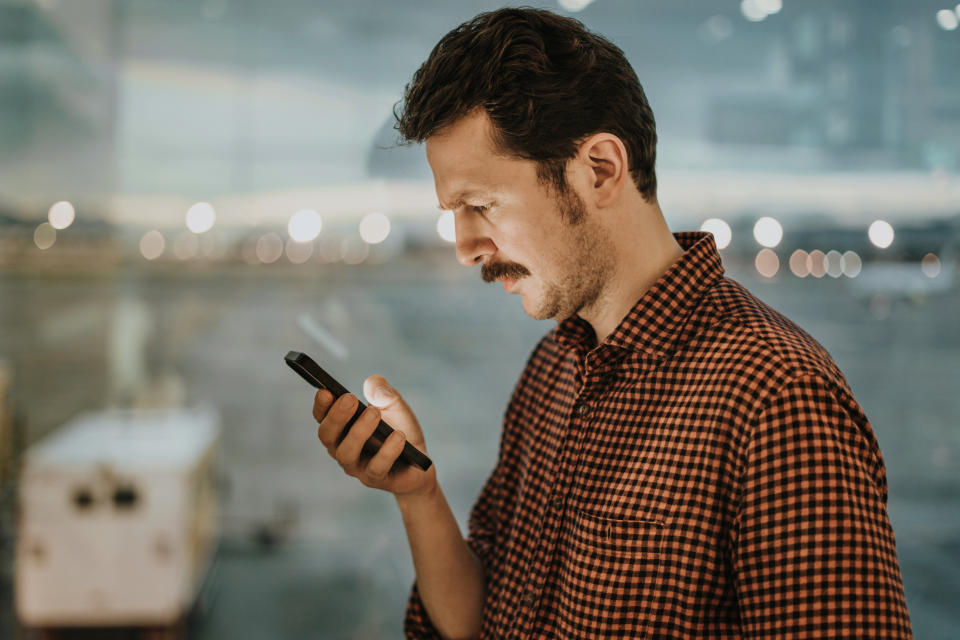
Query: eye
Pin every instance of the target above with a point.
(480, 208)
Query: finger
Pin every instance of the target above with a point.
(380, 464)
(321, 404)
(338, 415)
(348, 453)
(379, 393)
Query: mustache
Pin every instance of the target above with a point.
(495, 271)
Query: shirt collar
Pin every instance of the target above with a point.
(655, 323)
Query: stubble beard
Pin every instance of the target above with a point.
(586, 270)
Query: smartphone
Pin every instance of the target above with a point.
(316, 376)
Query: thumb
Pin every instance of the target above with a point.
(380, 394)
(395, 410)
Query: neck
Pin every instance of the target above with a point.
(644, 254)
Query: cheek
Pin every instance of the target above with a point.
(539, 248)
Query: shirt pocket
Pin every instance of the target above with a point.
(608, 572)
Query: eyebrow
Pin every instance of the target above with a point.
(459, 201)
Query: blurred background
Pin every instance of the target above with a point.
(189, 189)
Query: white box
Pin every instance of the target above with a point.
(6, 421)
(118, 518)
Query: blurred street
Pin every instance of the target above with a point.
(309, 552)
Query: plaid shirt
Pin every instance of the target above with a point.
(705, 472)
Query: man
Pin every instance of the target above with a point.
(677, 460)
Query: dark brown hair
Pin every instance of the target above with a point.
(546, 82)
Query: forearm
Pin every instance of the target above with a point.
(449, 575)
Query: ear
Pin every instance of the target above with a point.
(604, 156)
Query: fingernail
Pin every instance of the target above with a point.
(384, 394)
(349, 401)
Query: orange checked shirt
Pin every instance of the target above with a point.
(705, 472)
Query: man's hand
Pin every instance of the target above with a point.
(377, 471)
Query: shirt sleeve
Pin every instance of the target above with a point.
(482, 528)
(813, 552)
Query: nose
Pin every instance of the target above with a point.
(472, 244)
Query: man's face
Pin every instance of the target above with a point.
(514, 226)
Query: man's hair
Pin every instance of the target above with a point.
(545, 81)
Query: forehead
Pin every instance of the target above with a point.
(466, 163)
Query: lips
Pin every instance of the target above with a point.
(508, 284)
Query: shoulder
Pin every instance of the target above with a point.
(758, 349)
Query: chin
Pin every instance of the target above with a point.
(535, 312)
(540, 311)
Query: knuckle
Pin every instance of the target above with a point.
(372, 415)
(396, 441)
(342, 457)
(325, 433)
(320, 406)
(320, 414)
(346, 404)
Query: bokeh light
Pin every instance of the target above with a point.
(834, 264)
(718, 27)
(767, 263)
(201, 217)
(44, 235)
(446, 227)
(298, 252)
(752, 10)
(152, 245)
(354, 250)
(374, 228)
(768, 232)
(269, 248)
(798, 263)
(817, 263)
(930, 265)
(880, 233)
(770, 7)
(721, 231)
(851, 264)
(305, 225)
(947, 19)
(574, 5)
(61, 215)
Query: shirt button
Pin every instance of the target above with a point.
(582, 409)
(530, 596)
(557, 502)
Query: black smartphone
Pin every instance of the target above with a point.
(316, 376)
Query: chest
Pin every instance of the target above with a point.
(629, 443)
